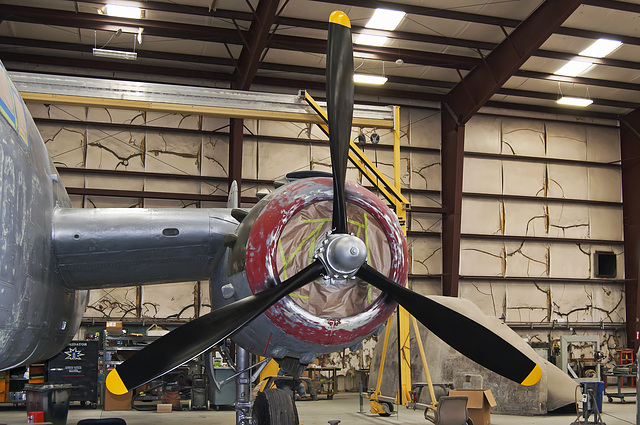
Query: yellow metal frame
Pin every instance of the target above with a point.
(178, 108)
(392, 193)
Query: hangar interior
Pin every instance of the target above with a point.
(515, 200)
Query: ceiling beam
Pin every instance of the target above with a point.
(319, 46)
(175, 8)
(246, 68)
(592, 82)
(554, 96)
(252, 51)
(616, 5)
(142, 53)
(94, 21)
(477, 87)
(114, 68)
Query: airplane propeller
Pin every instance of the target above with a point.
(339, 82)
(342, 256)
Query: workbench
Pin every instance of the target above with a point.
(620, 375)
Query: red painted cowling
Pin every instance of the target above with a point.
(290, 223)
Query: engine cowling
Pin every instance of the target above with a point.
(280, 236)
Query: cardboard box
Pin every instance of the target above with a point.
(114, 326)
(164, 408)
(479, 405)
(117, 402)
(155, 330)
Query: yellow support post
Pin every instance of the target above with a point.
(401, 203)
(374, 399)
(404, 351)
(404, 360)
(423, 357)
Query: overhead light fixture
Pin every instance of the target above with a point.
(574, 101)
(598, 49)
(115, 54)
(369, 79)
(574, 68)
(120, 11)
(601, 48)
(385, 19)
(371, 40)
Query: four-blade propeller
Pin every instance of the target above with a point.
(343, 257)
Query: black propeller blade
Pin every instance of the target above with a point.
(199, 335)
(339, 109)
(459, 331)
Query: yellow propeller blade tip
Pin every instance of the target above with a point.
(115, 384)
(533, 377)
(340, 18)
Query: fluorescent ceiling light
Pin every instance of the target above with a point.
(601, 48)
(369, 79)
(385, 19)
(598, 49)
(115, 54)
(371, 40)
(574, 68)
(574, 101)
(120, 11)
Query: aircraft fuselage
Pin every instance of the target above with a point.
(39, 314)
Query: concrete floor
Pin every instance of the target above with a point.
(345, 406)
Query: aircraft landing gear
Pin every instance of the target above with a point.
(274, 406)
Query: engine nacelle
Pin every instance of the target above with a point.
(279, 237)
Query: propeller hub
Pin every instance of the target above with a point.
(342, 255)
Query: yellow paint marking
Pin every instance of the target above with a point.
(340, 18)
(533, 377)
(115, 384)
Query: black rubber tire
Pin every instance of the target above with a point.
(388, 408)
(274, 407)
(103, 421)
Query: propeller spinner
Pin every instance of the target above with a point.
(342, 256)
